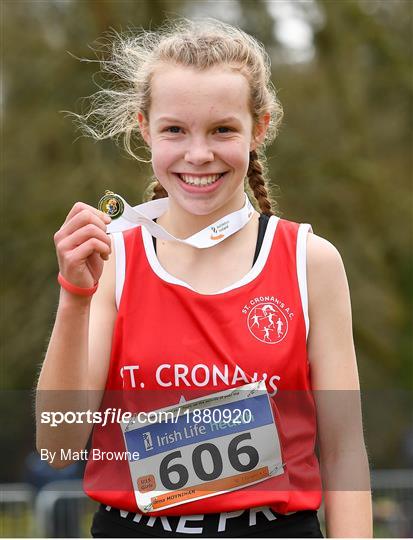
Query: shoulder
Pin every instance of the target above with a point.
(329, 306)
(330, 340)
(325, 268)
(321, 251)
(324, 264)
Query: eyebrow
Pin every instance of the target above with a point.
(225, 120)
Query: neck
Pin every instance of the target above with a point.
(182, 224)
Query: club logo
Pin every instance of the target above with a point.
(268, 319)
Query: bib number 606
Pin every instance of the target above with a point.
(166, 469)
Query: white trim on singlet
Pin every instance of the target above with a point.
(119, 245)
(301, 256)
(252, 274)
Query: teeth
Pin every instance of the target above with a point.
(199, 180)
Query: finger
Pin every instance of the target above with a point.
(80, 206)
(82, 235)
(82, 219)
(93, 245)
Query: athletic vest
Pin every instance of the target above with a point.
(172, 344)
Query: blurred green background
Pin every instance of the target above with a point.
(342, 162)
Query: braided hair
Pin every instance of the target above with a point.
(258, 184)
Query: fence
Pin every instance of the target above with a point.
(393, 503)
(62, 510)
(59, 510)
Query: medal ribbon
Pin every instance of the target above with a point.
(143, 214)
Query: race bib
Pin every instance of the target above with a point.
(204, 447)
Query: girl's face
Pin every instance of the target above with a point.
(200, 131)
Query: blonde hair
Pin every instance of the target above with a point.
(132, 60)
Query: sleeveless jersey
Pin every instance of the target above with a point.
(171, 344)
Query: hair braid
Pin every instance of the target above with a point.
(258, 185)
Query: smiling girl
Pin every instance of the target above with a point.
(184, 320)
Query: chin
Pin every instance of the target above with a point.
(199, 209)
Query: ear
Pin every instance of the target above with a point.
(144, 128)
(260, 131)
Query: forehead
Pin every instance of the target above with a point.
(185, 92)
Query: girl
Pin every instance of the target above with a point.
(162, 321)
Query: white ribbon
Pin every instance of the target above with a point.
(143, 214)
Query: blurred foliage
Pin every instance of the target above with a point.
(342, 159)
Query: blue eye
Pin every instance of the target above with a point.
(225, 128)
(173, 129)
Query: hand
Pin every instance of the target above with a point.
(82, 245)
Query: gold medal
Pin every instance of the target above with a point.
(111, 204)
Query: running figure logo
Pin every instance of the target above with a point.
(267, 322)
(147, 441)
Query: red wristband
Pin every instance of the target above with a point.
(74, 289)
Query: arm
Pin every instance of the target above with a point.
(334, 377)
(75, 367)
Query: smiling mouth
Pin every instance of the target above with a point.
(206, 180)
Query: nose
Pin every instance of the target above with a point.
(199, 152)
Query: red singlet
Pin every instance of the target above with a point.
(172, 343)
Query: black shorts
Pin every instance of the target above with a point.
(255, 522)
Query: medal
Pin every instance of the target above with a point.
(126, 217)
(111, 204)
